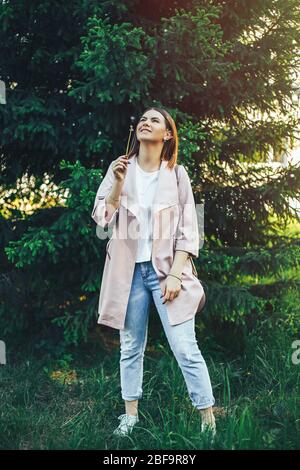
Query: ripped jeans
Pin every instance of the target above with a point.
(181, 338)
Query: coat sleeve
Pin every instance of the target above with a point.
(99, 212)
(187, 232)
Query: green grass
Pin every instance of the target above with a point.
(259, 393)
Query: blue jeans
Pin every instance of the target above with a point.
(181, 338)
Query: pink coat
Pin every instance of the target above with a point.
(175, 227)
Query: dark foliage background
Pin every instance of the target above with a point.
(77, 75)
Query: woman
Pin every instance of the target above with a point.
(145, 194)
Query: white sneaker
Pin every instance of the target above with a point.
(126, 425)
(209, 427)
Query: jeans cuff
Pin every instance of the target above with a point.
(205, 405)
(131, 398)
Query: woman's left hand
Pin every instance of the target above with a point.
(172, 289)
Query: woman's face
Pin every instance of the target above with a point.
(151, 127)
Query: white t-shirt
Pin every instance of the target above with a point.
(146, 183)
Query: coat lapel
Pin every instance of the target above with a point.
(166, 194)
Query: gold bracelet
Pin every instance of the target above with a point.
(175, 276)
(114, 198)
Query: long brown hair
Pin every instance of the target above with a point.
(170, 148)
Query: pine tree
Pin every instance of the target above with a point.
(79, 74)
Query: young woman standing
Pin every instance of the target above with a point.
(142, 189)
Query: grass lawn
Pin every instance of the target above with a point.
(73, 402)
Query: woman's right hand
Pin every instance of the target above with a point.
(120, 168)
